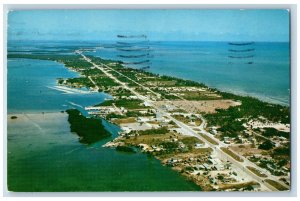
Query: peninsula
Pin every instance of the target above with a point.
(220, 141)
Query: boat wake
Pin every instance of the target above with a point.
(68, 90)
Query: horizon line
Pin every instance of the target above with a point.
(90, 40)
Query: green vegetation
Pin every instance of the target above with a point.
(89, 130)
(281, 155)
(100, 61)
(60, 80)
(254, 108)
(182, 118)
(270, 132)
(191, 140)
(230, 120)
(225, 118)
(162, 130)
(266, 145)
(246, 186)
(114, 116)
(209, 139)
(92, 72)
(231, 129)
(233, 155)
(161, 141)
(126, 103)
(104, 81)
(79, 82)
(282, 151)
(276, 185)
(124, 120)
(106, 103)
(125, 149)
(123, 92)
(255, 171)
(70, 61)
(182, 82)
(193, 95)
(169, 146)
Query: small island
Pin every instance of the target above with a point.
(90, 130)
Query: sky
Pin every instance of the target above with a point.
(158, 25)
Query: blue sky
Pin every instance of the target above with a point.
(191, 25)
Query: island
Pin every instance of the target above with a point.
(89, 130)
(220, 141)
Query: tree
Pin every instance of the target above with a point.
(266, 145)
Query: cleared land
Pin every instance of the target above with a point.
(246, 150)
(205, 106)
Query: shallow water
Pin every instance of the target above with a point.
(28, 87)
(43, 155)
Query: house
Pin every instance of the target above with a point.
(198, 145)
(243, 140)
(143, 119)
(132, 97)
(147, 104)
(227, 140)
(206, 166)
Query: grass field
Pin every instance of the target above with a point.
(233, 155)
(209, 139)
(124, 120)
(276, 185)
(255, 171)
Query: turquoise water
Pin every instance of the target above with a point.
(267, 77)
(28, 87)
(43, 155)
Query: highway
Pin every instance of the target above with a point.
(189, 131)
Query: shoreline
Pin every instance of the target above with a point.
(36, 122)
(187, 85)
(265, 99)
(239, 92)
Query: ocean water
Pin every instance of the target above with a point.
(44, 156)
(54, 160)
(265, 75)
(29, 87)
(266, 78)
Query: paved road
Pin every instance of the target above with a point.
(188, 130)
(246, 161)
(91, 79)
